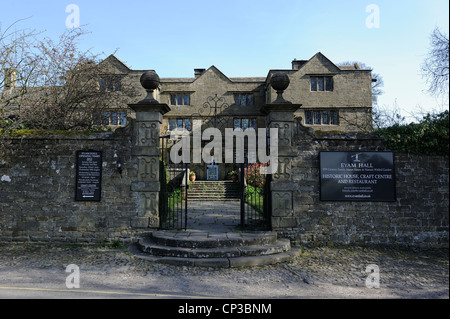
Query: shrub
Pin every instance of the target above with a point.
(253, 175)
(430, 136)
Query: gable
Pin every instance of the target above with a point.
(112, 65)
(319, 64)
(212, 74)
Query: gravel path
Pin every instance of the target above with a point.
(320, 272)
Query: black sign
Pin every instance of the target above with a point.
(89, 176)
(357, 176)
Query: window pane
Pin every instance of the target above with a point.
(250, 99)
(316, 115)
(172, 124)
(325, 119)
(237, 124)
(187, 124)
(236, 99)
(308, 117)
(105, 118)
(313, 83)
(252, 123)
(114, 118)
(329, 83)
(243, 99)
(179, 99)
(122, 118)
(173, 100)
(320, 83)
(334, 118)
(244, 124)
(186, 99)
(179, 124)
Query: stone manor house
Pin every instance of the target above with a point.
(334, 98)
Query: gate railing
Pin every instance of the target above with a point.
(255, 197)
(173, 195)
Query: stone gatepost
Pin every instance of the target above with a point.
(146, 150)
(280, 115)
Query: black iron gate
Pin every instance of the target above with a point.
(255, 197)
(173, 179)
(255, 187)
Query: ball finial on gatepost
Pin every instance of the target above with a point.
(150, 81)
(280, 82)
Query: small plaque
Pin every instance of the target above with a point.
(89, 176)
(212, 172)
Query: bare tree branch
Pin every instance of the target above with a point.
(435, 68)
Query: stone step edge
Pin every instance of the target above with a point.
(146, 246)
(188, 240)
(246, 261)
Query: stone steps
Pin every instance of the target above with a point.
(232, 249)
(214, 190)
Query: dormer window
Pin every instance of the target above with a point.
(321, 83)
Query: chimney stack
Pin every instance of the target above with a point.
(199, 72)
(297, 64)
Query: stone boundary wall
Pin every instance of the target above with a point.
(419, 217)
(37, 191)
(37, 194)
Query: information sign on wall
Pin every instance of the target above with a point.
(357, 176)
(89, 176)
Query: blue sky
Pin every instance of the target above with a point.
(249, 37)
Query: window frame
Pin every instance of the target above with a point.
(321, 83)
(317, 116)
(179, 99)
(244, 99)
(110, 83)
(111, 118)
(176, 121)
